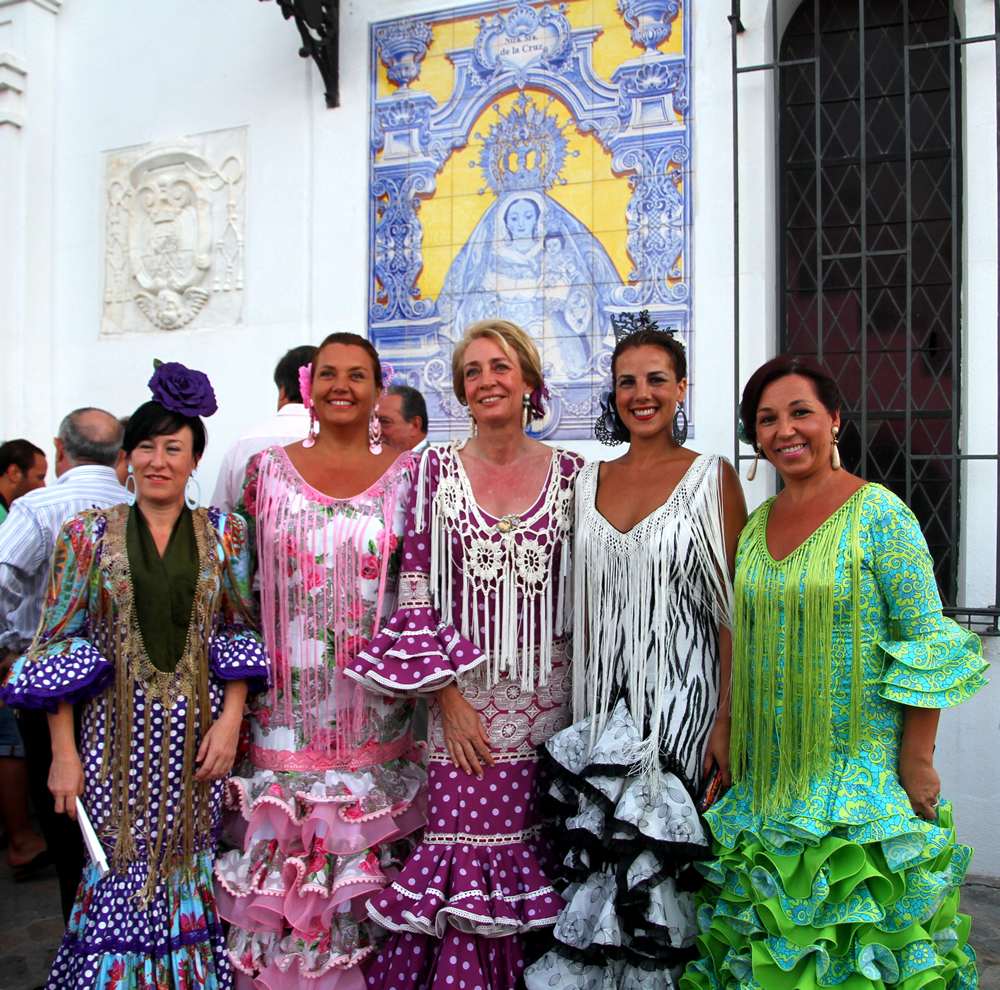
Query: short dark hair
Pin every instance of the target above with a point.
(154, 420)
(286, 374)
(355, 340)
(412, 406)
(19, 452)
(83, 444)
(827, 389)
(609, 423)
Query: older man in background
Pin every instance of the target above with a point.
(86, 451)
(403, 415)
(22, 469)
(289, 424)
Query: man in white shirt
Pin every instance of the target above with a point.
(289, 425)
(403, 416)
(86, 450)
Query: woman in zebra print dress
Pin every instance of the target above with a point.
(656, 534)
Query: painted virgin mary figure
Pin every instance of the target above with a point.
(528, 259)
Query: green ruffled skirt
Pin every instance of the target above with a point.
(794, 911)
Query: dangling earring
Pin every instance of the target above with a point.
(130, 493)
(313, 429)
(192, 502)
(472, 424)
(679, 426)
(752, 473)
(525, 411)
(835, 452)
(375, 432)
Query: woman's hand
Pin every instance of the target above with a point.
(218, 749)
(66, 781)
(464, 732)
(922, 785)
(718, 749)
(916, 761)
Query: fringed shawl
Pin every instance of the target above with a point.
(649, 604)
(172, 838)
(783, 733)
(314, 553)
(514, 570)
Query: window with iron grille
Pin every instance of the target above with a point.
(870, 200)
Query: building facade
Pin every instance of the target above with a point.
(810, 176)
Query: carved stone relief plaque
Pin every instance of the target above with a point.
(173, 216)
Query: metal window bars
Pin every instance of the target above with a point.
(874, 294)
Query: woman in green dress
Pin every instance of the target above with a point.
(835, 862)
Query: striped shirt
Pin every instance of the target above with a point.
(28, 537)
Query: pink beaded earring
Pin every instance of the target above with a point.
(375, 432)
(305, 388)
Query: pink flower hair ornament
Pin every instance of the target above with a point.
(305, 384)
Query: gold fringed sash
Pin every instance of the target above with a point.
(115, 633)
(783, 734)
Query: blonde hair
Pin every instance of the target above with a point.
(514, 342)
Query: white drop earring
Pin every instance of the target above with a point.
(192, 501)
(752, 473)
(130, 493)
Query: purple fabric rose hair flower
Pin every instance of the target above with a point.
(182, 390)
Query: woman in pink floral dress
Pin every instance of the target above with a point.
(333, 780)
(482, 630)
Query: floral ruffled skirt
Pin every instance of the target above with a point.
(314, 846)
(113, 942)
(786, 909)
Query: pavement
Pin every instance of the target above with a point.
(31, 927)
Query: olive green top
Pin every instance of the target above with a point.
(162, 587)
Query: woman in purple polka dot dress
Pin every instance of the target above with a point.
(482, 630)
(147, 626)
(333, 781)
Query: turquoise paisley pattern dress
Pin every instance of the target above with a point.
(844, 886)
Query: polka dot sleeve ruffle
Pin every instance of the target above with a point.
(70, 671)
(236, 657)
(415, 653)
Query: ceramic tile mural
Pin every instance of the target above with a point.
(528, 161)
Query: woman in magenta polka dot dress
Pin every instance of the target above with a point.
(481, 630)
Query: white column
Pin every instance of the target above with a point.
(27, 130)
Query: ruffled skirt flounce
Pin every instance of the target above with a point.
(114, 941)
(474, 888)
(787, 909)
(314, 847)
(626, 872)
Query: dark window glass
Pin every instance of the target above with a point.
(869, 191)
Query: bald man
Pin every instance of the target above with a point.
(86, 451)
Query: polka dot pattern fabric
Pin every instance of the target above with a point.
(113, 943)
(479, 881)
